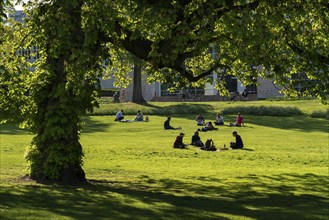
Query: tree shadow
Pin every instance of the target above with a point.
(256, 197)
(301, 123)
(91, 125)
(12, 129)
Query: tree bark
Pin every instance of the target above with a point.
(56, 153)
(137, 82)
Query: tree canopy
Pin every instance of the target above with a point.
(78, 39)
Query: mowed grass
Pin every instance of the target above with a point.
(134, 173)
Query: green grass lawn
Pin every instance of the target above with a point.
(134, 172)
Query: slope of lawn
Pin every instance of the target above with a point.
(134, 173)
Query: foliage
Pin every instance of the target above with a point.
(191, 109)
(320, 114)
(289, 98)
(108, 92)
(287, 40)
(264, 110)
(78, 38)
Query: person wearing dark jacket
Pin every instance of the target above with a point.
(196, 140)
(179, 141)
(166, 125)
(238, 144)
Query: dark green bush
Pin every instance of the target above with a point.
(263, 110)
(320, 114)
(108, 92)
(279, 98)
(106, 108)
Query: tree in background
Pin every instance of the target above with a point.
(284, 37)
(77, 39)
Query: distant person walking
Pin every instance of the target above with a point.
(122, 96)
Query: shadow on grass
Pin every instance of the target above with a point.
(257, 197)
(301, 123)
(11, 129)
(92, 125)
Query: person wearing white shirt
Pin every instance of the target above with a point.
(119, 116)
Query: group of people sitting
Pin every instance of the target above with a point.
(200, 121)
(196, 141)
(209, 145)
(139, 116)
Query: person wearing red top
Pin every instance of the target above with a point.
(238, 121)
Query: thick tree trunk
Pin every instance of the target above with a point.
(56, 153)
(137, 86)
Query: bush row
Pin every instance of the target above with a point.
(264, 110)
(131, 109)
(195, 109)
(320, 114)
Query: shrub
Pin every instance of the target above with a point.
(320, 114)
(108, 92)
(283, 98)
(263, 110)
(106, 108)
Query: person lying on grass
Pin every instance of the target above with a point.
(167, 125)
(179, 141)
(209, 127)
(238, 144)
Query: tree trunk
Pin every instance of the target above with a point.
(137, 82)
(56, 153)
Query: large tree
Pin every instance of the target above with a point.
(286, 37)
(76, 37)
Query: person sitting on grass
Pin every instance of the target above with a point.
(199, 120)
(238, 144)
(167, 125)
(209, 127)
(209, 145)
(219, 120)
(179, 141)
(196, 140)
(139, 116)
(119, 116)
(238, 121)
